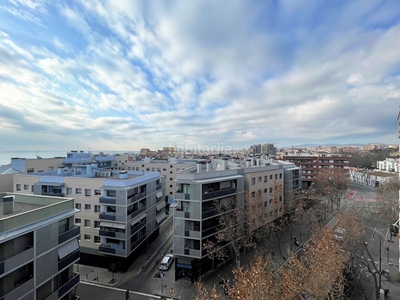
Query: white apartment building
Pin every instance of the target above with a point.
(118, 210)
(229, 184)
(388, 165)
(25, 165)
(38, 247)
(167, 168)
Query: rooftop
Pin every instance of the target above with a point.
(19, 207)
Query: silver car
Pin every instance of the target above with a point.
(166, 262)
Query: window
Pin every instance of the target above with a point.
(96, 224)
(170, 185)
(87, 237)
(69, 191)
(97, 239)
(32, 188)
(171, 172)
(265, 203)
(253, 181)
(259, 179)
(171, 179)
(87, 223)
(265, 178)
(270, 189)
(153, 169)
(270, 201)
(171, 166)
(147, 169)
(97, 208)
(270, 177)
(164, 169)
(280, 198)
(26, 187)
(137, 168)
(18, 187)
(159, 170)
(78, 221)
(77, 205)
(78, 191)
(265, 191)
(97, 192)
(88, 192)
(280, 176)
(253, 194)
(276, 176)
(30, 170)
(111, 193)
(87, 206)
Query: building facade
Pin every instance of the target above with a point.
(230, 186)
(118, 210)
(312, 165)
(38, 247)
(388, 165)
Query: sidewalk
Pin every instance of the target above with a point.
(104, 277)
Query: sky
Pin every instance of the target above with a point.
(124, 75)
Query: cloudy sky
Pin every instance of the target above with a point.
(122, 75)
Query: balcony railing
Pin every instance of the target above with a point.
(16, 260)
(136, 243)
(74, 281)
(118, 250)
(182, 196)
(19, 290)
(136, 212)
(107, 200)
(209, 231)
(209, 213)
(53, 194)
(69, 259)
(159, 186)
(192, 233)
(216, 194)
(192, 252)
(136, 197)
(107, 216)
(74, 232)
(106, 249)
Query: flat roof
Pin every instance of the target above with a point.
(19, 207)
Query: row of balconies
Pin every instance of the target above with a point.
(207, 195)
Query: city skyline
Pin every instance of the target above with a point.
(128, 74)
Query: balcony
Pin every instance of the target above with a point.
(107, 216)
(19, 290)
(210, 231)
(74, 232)
(192, 233)
(209, 213)
(182, 196)
(136, 243)
(216, 194)
(112, 249)
(110, 233)
(69, 285)
(16, 260)
(136, 197)
(136, 212)
(69, 260)
(159, 186)
(53, 194)
(192, 252)
(107, 200)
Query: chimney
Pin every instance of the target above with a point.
(199, 167)
(248, 162)
(208, 166)
(224, 163)
(8, 205)
(123, 174)
(258, 161)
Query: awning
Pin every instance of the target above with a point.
(159, 194)
(160, 217)
(50, 183)
(138, 219)
(112, 225)
(68, 248)
(160, 205)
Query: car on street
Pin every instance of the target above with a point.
(166, 262)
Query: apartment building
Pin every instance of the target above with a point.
(38, 247)
(228, 184)
(167, 168)
(388, 165)
(118, 210)
(311, 165)
(25, 165)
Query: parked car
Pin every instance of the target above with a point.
(166, 262)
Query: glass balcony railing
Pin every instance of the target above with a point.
(69, 285)
(74, 232)
(215, 194)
